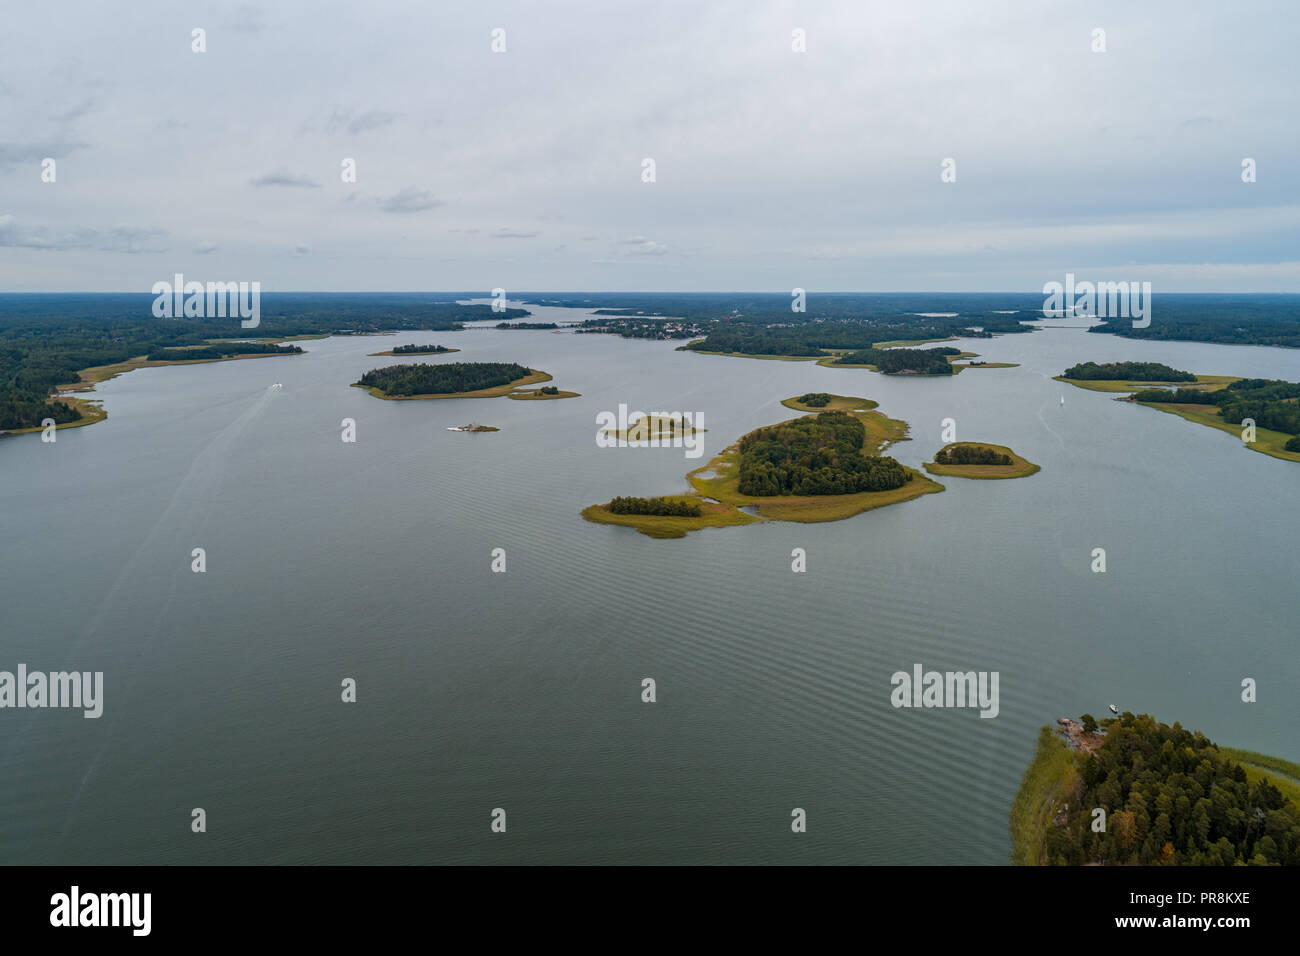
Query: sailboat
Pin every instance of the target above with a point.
(1062, 399)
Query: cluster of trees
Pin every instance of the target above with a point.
(214, 352)
(903, 361)
(453, 377)
(1271, 403)
(654, 506)
(817, 455)
(527, 325)
(814, 399)
(1128, 372)
(1171, 797)
(420, 349)
(548, 390)
(1181, 396)
(45, 340)
(971, 455)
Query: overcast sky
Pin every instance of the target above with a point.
(774, 168)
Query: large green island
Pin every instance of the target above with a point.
(455, 380)
(1166, 796)
(824, 466)
(1218, 401)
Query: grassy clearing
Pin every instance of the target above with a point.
(838, 403)
(713, 515)
(534, 377)
(1019, 467)
(1048, 781)
(1208, 383)
(1283, 774)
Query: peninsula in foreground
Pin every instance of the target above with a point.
(1133, 791)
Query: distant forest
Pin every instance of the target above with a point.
(213, 352)
(1127, 372)
(820, 454)
(527, 325)
(421, 379)
(1171, 797)
(45, 340)
(1229, 319)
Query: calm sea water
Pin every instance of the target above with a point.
(521, 690)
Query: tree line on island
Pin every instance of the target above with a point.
(814, 399)
(423, 379)
(420, 349)
(971, 455)
(1171, 797)
(215, 352)
(671, 507)
(903, 361)
(1127, 372)
(820, 454)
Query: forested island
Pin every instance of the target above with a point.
(980, 460)
(451, 380)
(416, 350)
(69, 342)
(527, 325)
(1127, 372)
(1221, 401)
(934, 361)
(824, 466)
(1170, 797)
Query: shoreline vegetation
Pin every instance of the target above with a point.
(857, 430)
(1172, 797)
(91, 410)
(967, 459)
(502, 379)
(894, 355)
(1210, 397)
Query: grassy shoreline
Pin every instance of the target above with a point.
(1019, 467)
(1267, 442)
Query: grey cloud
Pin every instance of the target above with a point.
(125, 239)
(11, 154)
(283, 177)
(510, 234)
(359, 122)
(409, 199)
